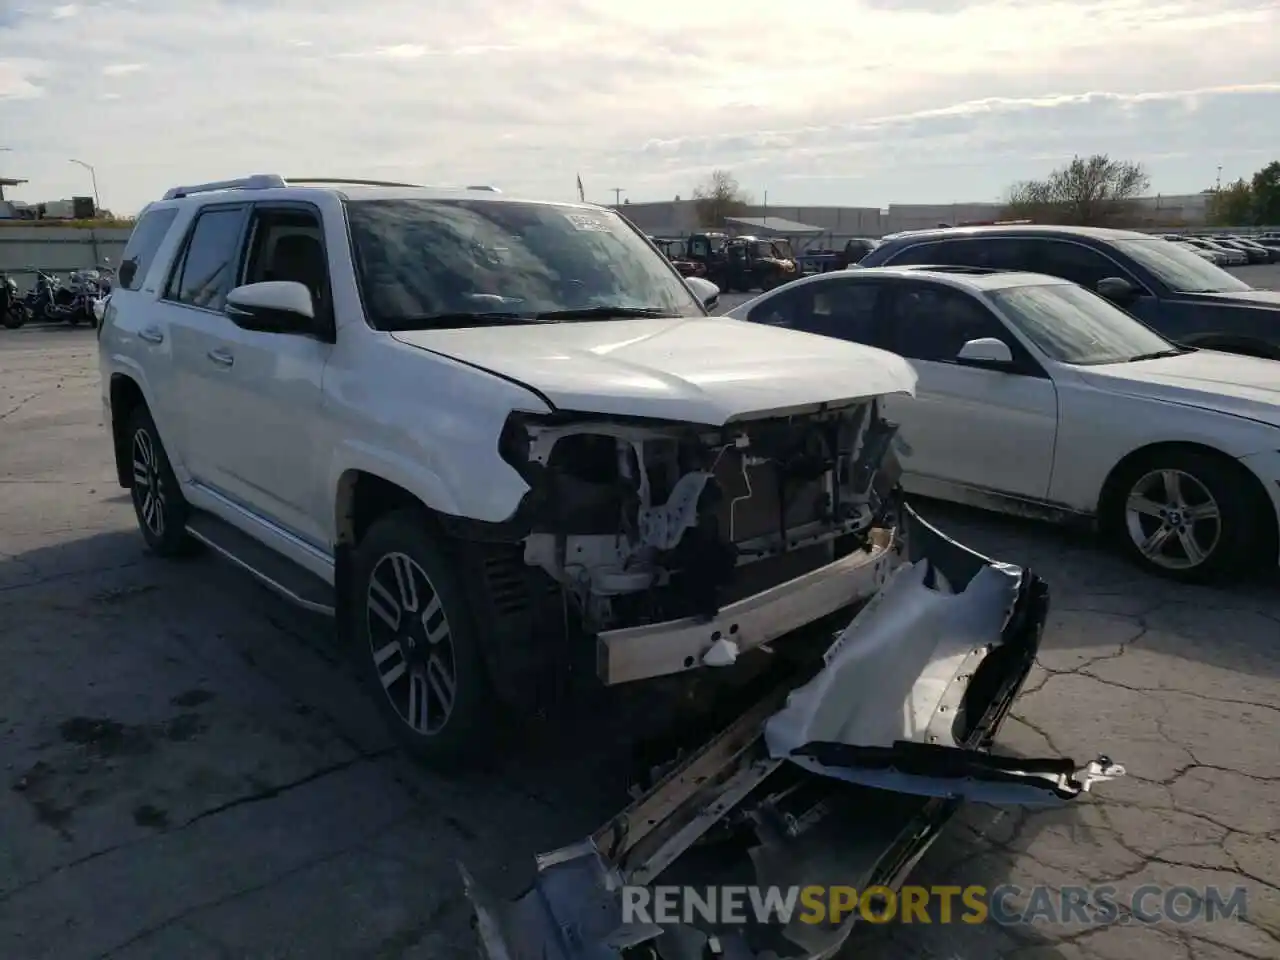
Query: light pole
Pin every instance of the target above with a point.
(93, 175)
(617, 195)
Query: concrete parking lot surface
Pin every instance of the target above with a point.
(192, 772)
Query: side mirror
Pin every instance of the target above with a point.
(1117, 290)
(272, 306)
(986, 350)
(128, 270)
(704, 290)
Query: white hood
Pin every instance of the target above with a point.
(702, 370)
(1227, 382)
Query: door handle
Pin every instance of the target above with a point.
(222, 357)
(151, 335)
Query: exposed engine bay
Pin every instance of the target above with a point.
(646, 522)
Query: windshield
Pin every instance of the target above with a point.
(1180, 269)
(424, 264)
(1073, 325)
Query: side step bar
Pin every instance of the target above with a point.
(270, 569)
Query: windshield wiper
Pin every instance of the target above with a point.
(1157, 354)
(602, 313)
(468, 318)
(493, 318)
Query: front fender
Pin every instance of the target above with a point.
(496, 499)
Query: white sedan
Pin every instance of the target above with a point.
(1038, 397)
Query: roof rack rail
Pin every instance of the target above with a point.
(351, 182)
(269, 181)
(259, 181)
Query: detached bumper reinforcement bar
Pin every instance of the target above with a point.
(659, 649)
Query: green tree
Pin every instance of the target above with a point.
(1232, 206)
(718, 197)
(1266, 194)
(1088, 191)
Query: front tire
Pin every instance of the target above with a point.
(1185, 515)
(417, 644)
(158, 503)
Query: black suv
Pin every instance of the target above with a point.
(1172, 290)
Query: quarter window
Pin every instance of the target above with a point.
(144, 242)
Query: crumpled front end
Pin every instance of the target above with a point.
(842, 778)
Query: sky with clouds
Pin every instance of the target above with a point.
(850, 102)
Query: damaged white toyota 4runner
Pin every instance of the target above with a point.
(501, 439)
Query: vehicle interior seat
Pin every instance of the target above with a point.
(300, 258)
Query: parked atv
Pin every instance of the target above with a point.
(753, 263)
(677, 251)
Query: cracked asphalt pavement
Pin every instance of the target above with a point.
(192, 772)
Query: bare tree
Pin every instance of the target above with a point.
(719, 197)
(1092, 191)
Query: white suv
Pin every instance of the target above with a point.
(491, 435)
(496, 438)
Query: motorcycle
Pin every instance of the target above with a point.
(90, 288)
(53, 301)
(50, 300)
(13, 311)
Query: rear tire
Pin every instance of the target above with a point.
(417, 644)
(1185, 515)
(14, 317)
(158, 503)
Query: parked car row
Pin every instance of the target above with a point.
(1228, 250)
(1038, 396)
(1181, 295)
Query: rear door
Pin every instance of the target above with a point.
(981, 426)
(192, 299)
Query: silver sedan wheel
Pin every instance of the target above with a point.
(410, 642)
(148, 486)
(1173, 519)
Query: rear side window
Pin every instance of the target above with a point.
(148, 234)
(1077, 263)
(203, 276)
(920, 253)
(998, 253)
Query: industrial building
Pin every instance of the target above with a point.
(832, 225)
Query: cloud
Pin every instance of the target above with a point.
(19, 78)
(64, 12)
(856, 101)
(122, 69)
